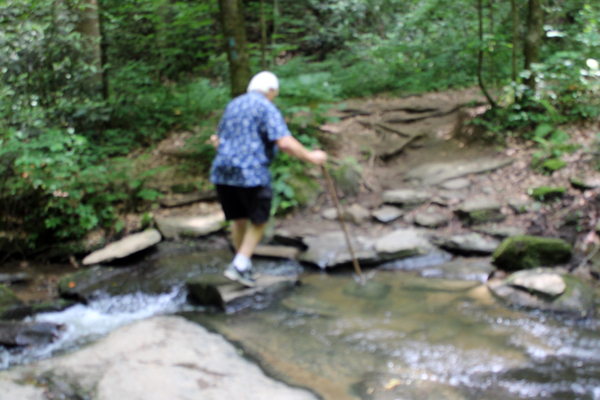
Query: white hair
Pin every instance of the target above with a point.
(263, 82)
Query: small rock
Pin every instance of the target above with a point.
(348, 178)
(585, 183)
(525, 252)
(402, 243)
(330, 249)
(501, 232)
(479, 210)
(387, 214)
(456, 184)
(469, 243)
(546, 193)
(175, 227)
(124, 247)
(405, 197)
(431, 220)
(330, 213)
(548, 283)
(487, 190)
(286, 237)
(520, 206)
(356, 214)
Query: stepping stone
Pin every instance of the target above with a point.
(288, 238)
(456, 184)
(329, 250)
(433, 174)
(179, 200)
(216, 290)
(405, 197)
(287, 252)
(124, 247)
(28, 334)
(176, 227)
(387, 214)
(431, 220)
(402, 243)
(479, 211)
(526, 252)
(471, 243)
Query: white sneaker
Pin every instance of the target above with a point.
(246, 278)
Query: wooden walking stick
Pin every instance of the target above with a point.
(343, 223)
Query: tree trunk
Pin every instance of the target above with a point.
(263, 33)
(515, 40)
(89, 27)
(480, 59)
(275, 20)
(533, 41)
(234, 31)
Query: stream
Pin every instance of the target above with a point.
(427, 338)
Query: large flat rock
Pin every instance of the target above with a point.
(405, 197)
(216, 290)
(124, 247)
(433, 174)
(175, 227)
(155, 359)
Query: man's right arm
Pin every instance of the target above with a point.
(289, 144)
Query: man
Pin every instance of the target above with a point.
(250, 132)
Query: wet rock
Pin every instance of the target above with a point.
(542, 289)
(21, 311)
(309, 306)
(546, 193)
(176, 227)
(405, 197)
(356, 214)
(286, 237)
(216, 290)
(124, 247)
(525, 252)
(287, 252)
(8, 300)
(19, 277)
(583, 183)
(348, 178)
(26, 334)
(402, 243)
(501, 232)
(330, 249)
(479, 211)
(469, 243)
(440, 285)
(468, 270)
(159, 358)
(433, 174)
(387, 214)
(456, 184)
(431, 220)
(330, 213)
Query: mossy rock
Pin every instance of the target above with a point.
(348, 178)
(8, 300)
(525, 252)
(553, 164)
(306, 190)
(547, 193)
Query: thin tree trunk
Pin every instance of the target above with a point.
(234, 32)
(89, 27)
(263, 32)
(480, 59)
(492, 32)
(533, 41)
(515, 40)
(275, 20)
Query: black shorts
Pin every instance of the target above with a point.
(253, 203)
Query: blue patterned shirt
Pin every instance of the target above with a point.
(247, 131)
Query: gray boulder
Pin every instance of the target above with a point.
(387, 214)
(356, 214)
(330, 213)
(501, 232)
(124, 247)
(456, 184)
(176, 227)
(27, 334)
(546, 289)
(431, 220)
(479, 211)
(524, 252)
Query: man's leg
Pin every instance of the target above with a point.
(253, 235)
(238, 230)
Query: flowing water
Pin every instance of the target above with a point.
(424, 338)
